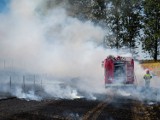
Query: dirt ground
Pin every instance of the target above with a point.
(78, 109)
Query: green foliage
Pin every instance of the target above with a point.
(151, 27)
(126, 21)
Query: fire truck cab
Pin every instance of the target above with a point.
(118, 71)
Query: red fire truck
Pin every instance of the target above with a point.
(118, 71)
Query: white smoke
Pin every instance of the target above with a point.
(140, 91)
(139, 73)
(30, 95)
(54, 44)
(41, 41)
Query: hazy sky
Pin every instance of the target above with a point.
(3, 5)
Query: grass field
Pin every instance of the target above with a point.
(155, 67)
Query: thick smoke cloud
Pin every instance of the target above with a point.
(38, 40)
(52, 43)
(43, 43)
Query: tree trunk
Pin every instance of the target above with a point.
(156, 50)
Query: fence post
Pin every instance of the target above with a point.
(34, 80)
(23, 83)
(10, 82)
(41, 83)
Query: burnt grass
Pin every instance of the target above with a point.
(63, 109)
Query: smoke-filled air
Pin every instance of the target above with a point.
(52, 51)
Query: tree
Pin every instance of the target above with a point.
(120, 17)
(93, 10)
(131, 23)
(124, 20)
(151, 27)
(113, 20)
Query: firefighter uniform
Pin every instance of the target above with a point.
(147, 77)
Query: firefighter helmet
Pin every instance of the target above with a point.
(147, 71)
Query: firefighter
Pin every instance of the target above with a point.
(147, 77)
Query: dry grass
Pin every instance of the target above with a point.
(153, 66)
